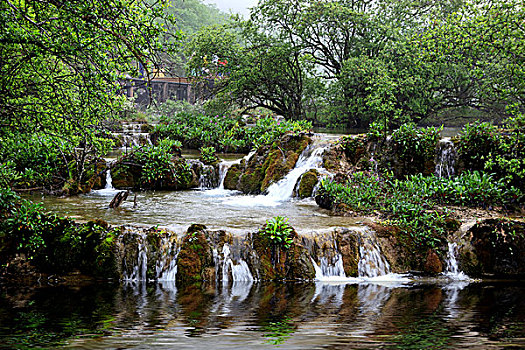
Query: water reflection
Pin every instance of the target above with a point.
(264, 315)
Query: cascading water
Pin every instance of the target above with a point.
(452, 269)
(139, 267)
(240, 272)
(445, 158)
(311, 158)
(208, 177)
(108, 190)
(132, 135)
(371, 263)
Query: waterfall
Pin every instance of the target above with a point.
(140, 267)
(223, 170)
(132, 135)
(240, 272)
(208, 177)
(108, 190)
(445, 158)
(310, 158)
(453, 270)
(371, 262)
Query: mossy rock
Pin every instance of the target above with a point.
(268, 165)
(307, 183)
(494, 247)
(279, 264)
(195, 257)
(125, 175)
(232, 177)
(348, 243)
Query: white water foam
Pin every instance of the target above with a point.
(453, 272)
(310, 158)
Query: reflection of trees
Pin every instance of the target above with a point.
(48, 316)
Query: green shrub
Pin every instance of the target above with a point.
(278, 231)
(208, 156)
(415, 144)
(477, 143)
(224, 133)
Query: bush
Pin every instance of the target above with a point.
(208, 156)
(477, 143)
(415, 144)
(278, 231)
(158, 164)
(224, 133)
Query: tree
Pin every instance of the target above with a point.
(62, 62)
(264, 71)
(481, 52)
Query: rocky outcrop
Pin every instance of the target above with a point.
(195, 261)
(307, 183)
(274, 262)
(494, 247)
(268, 165)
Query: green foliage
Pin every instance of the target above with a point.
(61, 63)
(411, 142)
(278, 231)
(158, 164)
(499, 150)
(480, 49)
(476, 143)
(225, 133)
(208, 155)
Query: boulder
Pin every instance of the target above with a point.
(494, 247)
(268, 165)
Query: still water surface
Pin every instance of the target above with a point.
(414, 315)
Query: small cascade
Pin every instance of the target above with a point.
(108, 190)
(166, 267)
(311, 158)
(132, 135)
(109, 180)
(371, 262)
(223, 170)
(325, 255)
(235, 271)
(208, 177)
(453, 270)
(140, 266)
(445, 158)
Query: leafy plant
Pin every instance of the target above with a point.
(208, 155)
(279, 232)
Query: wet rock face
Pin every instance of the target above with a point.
(274, 262)
(268, 165)
(494, 247)
(195, 261)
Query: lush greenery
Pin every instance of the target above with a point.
(225, 133)
(55, 244)
(61, 66)
(499, 150)
(208, 156)
(415, 204)
(278, 231)
(353, 62)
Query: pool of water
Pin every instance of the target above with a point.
(415, 315)
(177, 210)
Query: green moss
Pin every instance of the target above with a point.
(232, 177)
(307, 184)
